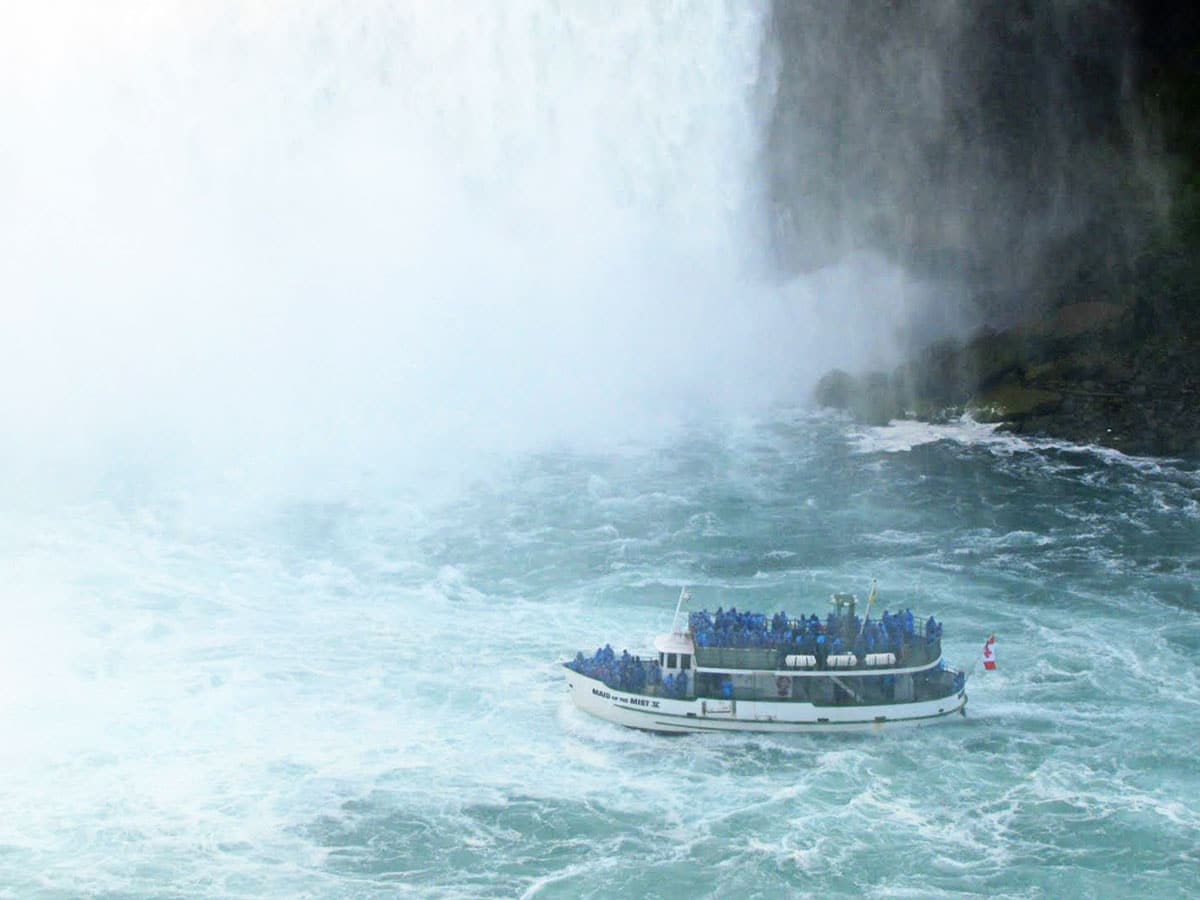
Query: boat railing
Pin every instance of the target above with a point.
(738, 658)
(879, 688)
(632, 673)
(914, 651)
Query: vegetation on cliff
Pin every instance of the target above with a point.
(1106, 344)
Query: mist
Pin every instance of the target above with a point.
(1000, 149)
(292, 241)
(355, 237)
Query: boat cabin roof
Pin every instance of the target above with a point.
(673, 643)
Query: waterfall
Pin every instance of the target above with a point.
(327, 227)
(353, 231)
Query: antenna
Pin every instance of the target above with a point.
(870, 600)
(683, 595)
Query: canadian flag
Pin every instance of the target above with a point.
(989, 653)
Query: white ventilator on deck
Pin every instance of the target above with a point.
(841, 661)
(800, 661)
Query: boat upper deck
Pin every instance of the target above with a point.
(730, 639)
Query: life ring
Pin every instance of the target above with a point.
(784, 685)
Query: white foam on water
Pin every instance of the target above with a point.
(902, 435)
(335, 698)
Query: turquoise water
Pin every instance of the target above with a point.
(208, 696)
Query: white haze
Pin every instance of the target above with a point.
(300, 239)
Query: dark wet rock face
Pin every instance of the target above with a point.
(1080, 376)
(1097, 337)
(870, 398)
(997, 143)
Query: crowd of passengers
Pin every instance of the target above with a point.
(629, 673)
(837, 634)
(746, 630)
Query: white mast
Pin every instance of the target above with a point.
(683, 595)
(870, 600)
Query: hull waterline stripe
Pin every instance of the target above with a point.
(692, 721)
(741, 724)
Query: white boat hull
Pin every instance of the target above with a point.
(779, 717)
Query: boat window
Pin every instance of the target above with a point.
(685, 661)
(670, 660)
(662, 659)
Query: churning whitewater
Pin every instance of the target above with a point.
(363, 697)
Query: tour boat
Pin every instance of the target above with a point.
(743, 671)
